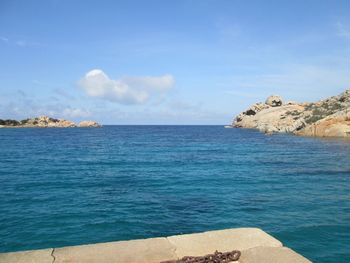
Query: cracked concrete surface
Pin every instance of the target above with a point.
(256, 246)
(222, 240)
(53, 256)
(141, 251)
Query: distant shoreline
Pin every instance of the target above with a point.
(46, 122)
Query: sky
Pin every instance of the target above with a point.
(168, 62)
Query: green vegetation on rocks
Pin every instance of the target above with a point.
(300, 118)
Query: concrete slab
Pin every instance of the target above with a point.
(256, 247)
(153, 250)
(222, 240)
(271, 255)
(31, 256)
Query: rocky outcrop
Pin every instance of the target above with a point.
(329, 117)
(88, 124)
(335, 125)
(45, 122)
(268, 119)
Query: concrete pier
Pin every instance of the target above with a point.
(256, 246)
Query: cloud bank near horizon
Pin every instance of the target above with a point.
(128, 90)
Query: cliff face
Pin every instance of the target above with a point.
(329, 117)
(334, 125)
(46, 122)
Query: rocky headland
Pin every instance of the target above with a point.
(326, 118)
(46, 122)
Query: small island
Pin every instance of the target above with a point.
(326, 118)
(47, 122)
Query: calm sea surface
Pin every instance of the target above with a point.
(62, 187)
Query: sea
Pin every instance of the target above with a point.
(72, 186)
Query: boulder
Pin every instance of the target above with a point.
(63, 124)
(88, 124)
(274, 101)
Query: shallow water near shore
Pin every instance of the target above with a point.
(63, 187)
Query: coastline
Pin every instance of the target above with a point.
(326, 118)
(47, 122)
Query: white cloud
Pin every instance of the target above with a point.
(64, 94)
(75, 113)
(20, 105)
(129, 90)
(343, 30)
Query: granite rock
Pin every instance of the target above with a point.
(46, 122)
(88, 124)
(274, 101)
(329, 117)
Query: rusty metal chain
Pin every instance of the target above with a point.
(217, 257)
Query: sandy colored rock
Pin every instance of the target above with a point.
(273, 119)
(274, 101)
(251, 111)
(222, 240)
(31, 256)
(271, 255)
(151, 250)
(89, 124)
(45, 122)
(325, 118)
(335, 125)
(62, 124)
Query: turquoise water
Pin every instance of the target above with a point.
(64, 187)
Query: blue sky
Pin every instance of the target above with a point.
(167, 62)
